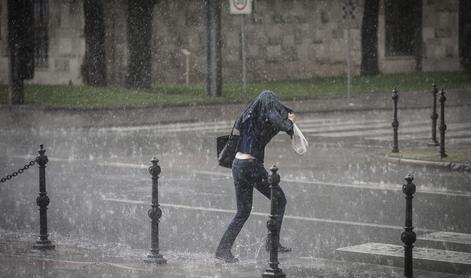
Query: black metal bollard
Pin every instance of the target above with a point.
(442, 124)
(273, 230)
(434, 116)
(408, 237)
(154, 214)
(43, 243)
(395, 123)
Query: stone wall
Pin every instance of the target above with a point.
(286, 39)
(66, 44)
(441, 35)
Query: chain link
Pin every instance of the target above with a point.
(20, 171)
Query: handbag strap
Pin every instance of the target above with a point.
(232, 131)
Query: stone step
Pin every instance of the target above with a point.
(393, 255)
(446, 240)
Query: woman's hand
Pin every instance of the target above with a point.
(292, 117)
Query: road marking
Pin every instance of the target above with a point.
(408, 130)
(382, 186)
(294, 217)
(450, 135)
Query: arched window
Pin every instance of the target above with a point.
(40, 29)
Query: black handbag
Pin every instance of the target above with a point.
(226, 147)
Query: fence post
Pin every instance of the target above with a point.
(395, 123)
(154, 214)
(408, 237)
(442, 124)
(43, 243)
(274, 237)
(434, 116)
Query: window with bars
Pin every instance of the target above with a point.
(399, 27)
(40, 28)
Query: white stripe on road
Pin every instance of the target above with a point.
(175, 127)
(382, 187)
(450, 136)
(294, 217)
(387, 187)
(408, 130)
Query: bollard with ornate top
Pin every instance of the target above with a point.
(408, 237)
(43, 243)
(434, 116)
(273, 230)
(395, 123)
(442, 124)
(154, 214)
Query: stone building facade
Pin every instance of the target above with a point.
(286, 39)
(65, 48)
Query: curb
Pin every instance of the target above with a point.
(30, 115)
(453, 166)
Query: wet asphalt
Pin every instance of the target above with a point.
(341, 193)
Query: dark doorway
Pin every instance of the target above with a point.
(402, 22)
(465, 33)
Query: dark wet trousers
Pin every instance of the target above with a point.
(248, 174)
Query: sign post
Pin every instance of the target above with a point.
(242, 7)
(348, 16)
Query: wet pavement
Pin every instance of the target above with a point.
(343, 192)
(84, 259)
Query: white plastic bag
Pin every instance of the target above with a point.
(298, 141)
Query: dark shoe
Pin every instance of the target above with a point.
(281, 248)
(284, 249)
(227, 257)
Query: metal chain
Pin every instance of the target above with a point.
(20, 171)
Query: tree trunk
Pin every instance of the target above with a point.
(369, 38)
(94, 67)
(418, 41)
(139, 42)
(21, 47)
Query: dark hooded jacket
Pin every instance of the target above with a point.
(263, 118)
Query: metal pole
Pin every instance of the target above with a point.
(42, 201)
(244, 57)
(408, 237)
(154, 214)
(213, 29)
(187, 54)
(434, 116)
(442, 124)
(395, 123)
(273, 230)
(187, 69)
(349, 64)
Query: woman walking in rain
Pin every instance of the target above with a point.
(261, 120)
